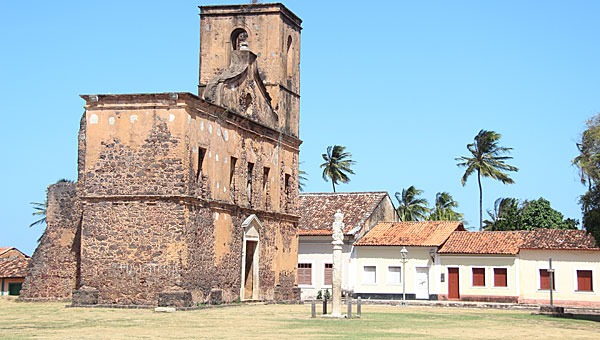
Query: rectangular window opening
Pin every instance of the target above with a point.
(369, 275)
(249, 182)
(305, 274)
(200, 165)
(584, 281)
(266, 184)
(478, 277)
(394, 276)
(232, 164)
(500, 277)
(328, 274)
(545, 280)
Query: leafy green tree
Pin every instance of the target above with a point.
(590, 205)
(539, 214)
(410, 206)
(488, 160)
(444, 208)
(588, 160)
(337, 165)
(511, 214)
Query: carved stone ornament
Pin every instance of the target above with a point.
(338, 227)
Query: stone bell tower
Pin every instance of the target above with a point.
(269, 31)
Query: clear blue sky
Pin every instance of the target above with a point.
(404, 85)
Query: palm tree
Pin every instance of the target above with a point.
(488, 160)
(499, 216)
(589, 153)
(444, 208)
(302, 179)
(337, 165)
(410, 206)
(39, 211)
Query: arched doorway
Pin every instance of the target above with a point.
(250, 258)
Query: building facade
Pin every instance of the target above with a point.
(13, 263)
(186, 198)
(514, 266)
(445, 262)
(362, 210)
(382, 274)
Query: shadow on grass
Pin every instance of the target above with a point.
(587, 317)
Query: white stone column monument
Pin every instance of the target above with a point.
(336, 284)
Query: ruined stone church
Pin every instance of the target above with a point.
(183, 198)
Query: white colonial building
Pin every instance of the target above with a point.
(362, 210)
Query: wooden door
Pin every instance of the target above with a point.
(453, 291)
(249, 270)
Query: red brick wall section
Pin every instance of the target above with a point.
(52, 271)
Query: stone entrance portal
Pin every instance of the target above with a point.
(250, 258)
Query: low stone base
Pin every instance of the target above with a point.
(552, 309)
(180, 298)
(287, 293)
(215, 297)
(85, 296)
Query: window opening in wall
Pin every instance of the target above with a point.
(289, 60)
(500, 277)
(545, 280)
(369, 275)
(394, 276)
(239, 39)
(249, 182)
(584, 281)
(232, 164)
(201, 153)
(328, 274)
(266, 171)
(287, 185)
(305, 274)
(478, 277)
(286, 190)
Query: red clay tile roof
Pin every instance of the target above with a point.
(13, 267)
(559, 239)
(4, 249)
(510, 242)
(317, 209)
(425, 234)
(484, 242)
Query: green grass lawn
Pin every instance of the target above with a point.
(26, 320)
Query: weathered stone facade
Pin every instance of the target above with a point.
(186, 199)
(53, 271)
